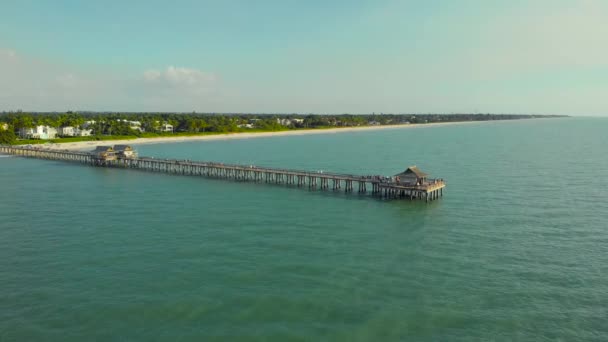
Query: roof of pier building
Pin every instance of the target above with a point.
(412, 170)
(119, 148)
(103, 149)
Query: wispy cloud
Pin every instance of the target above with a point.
(34, 84)
(181, 78)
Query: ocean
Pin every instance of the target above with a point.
(516, 250)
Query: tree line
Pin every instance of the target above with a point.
(150, 123)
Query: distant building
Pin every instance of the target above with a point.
(104, 152)
(166, 127)
(288, 122)
(49, 132)
(245, 126)
(70, 131)
(412, 175)
(114, 152)
(125, 151)
(66, 131)
(86, 124)
(134, 125)
(38, 132)
(83, 132)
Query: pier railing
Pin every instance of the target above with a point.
(388, 187)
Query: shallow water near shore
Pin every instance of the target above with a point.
(516, 250)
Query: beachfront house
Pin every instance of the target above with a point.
(125, 151)
(166, 127)
(289, 122)
(70, 131)
(284, 122)
(38, 132)
(83, 132)
(134, 125)
(104, 152)
(412, 175)
(67, 131)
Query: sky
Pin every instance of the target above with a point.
(288, 56)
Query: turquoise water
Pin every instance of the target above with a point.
(516, 250)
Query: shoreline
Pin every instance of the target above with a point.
(81, 145)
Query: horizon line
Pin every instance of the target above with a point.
(19, 111)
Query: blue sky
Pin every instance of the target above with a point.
(435, 56)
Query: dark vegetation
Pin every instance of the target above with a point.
(113, 125)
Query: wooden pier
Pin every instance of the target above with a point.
(410, 184)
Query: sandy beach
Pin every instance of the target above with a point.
(86, 145)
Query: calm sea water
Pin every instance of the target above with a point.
(516, 250)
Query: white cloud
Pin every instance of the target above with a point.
(190, 77)
(180, 77)
(152, 75)
(34, 84)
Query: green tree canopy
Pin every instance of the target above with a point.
(7, 137)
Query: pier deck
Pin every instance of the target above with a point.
(418, 187)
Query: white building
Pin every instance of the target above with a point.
(70, 131)
(289, 122)
(84, 132)
(66, 131)
(166, 127)
(88, 123)
(125, 151)
(38, 132)
(135, 125)
(245, 125)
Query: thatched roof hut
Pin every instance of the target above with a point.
(104, 152)
(119, 148)
(125, 151)
(412, 175)
(99, 149)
